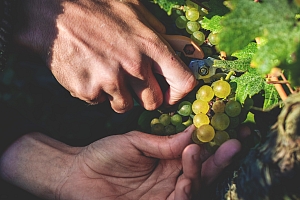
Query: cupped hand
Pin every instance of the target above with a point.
(106, 49)
(143, 166)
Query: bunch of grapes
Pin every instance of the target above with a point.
(214, 112)
(189, 18)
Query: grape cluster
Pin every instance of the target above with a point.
(189, 19)
(214, 112)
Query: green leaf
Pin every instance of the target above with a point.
(249, 20)
(250, 84)
(167, 5)
(212, 24)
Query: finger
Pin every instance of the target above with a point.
(179, 77)
(162, 147)
(147, 90)
(215, 164)
(149, 17)
(119, 95)
(183, 189)
(192, 164)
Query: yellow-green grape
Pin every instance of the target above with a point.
(165, 119)
(220, 121)
(200, 106)
(205, 93)
(188, 122)
(218, 106)
(233, 108)
(192, 26)
(181, 22)
(212, 38)
(191, 4)
(185, 108)
(158, 129)
(198, 37)
(200, 119)
(221, 137)
(154, 121)
(180, 128)
(195, 138)
(170, 129)
(221, 88)
(192, 14)
(205, 133)
(176, 119)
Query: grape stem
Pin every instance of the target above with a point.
(227, 78)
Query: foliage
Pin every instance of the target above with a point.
(167, 5)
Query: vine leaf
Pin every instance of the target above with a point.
(167, 5)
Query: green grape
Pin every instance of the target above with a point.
(176, 119)
(154, 121)
(165, 119)
(158, 129)
(191, 4)
(233, 108)
(205, 93)
(192, 14)
(180, 128)
(232, 133)
(212, 38)
(188, 122)
(185, 108)
(200, 119)
(205, 133)
(198, 37)
(221, 137)
(234, 122)
(191, 27)
(170, 129)
(211, 146)
(203, 12)
(221, 88)
(220, 121)
(176, 13)
(248, 103)
(218, 106)
(200, 106)
(181, 22)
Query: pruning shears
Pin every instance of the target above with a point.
(201, 68)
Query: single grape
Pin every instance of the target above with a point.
(213, 38)
(180, 128)
(195, 138)
(158, 129)
(154, 121)
(170, 129)
(221, 88)
(234, 122)
(205, 93)
(188, 122)
(205, 133)
(165, 119)
(191, 27)
(220, 121)
(192, 14)
(200, 119)
(185, 108)
(198, 37)
(176, 13)
(218, 106)
(181, 22)
(176, 119)
(221, 137)
(233, 108)
(200, 106)
(191, 4)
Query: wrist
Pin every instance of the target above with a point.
(38, 164)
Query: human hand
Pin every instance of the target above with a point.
(143, 166)
(105, 49)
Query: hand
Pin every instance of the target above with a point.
(142, 166)
(99, 49)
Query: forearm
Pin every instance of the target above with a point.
(37, 164)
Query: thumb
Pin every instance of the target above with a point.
(162, 147)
